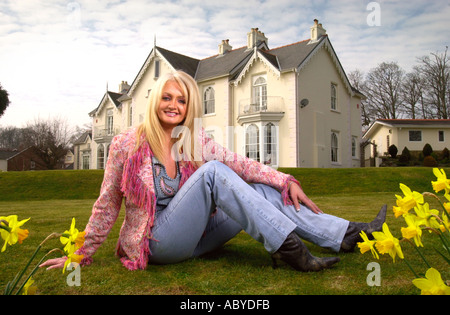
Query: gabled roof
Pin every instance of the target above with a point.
(180, 62)
(112, 96)
(175, 60)
(84, 137)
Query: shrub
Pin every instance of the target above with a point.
(445, 154)
(427, 150)
(405, 157)
(429, 161)
(392, 150)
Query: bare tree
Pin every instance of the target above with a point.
(11, 138)
(357, 80)
(436, 71)
(412, 94)
(51, 138)
(383, 90)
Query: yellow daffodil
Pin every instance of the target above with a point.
(445, 224)
(72, 239)
(447, 204)
(408, 202)
(426, 217)
(73, 258)
(12, 233)
(413, 231)
(432, 284)
(367, 245)
(28, 289)
(399, 211)
(442, 181)
(386, 243)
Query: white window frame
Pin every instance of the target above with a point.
(101, 157)
(109, 122)
(334, 145)
(252, 142)
(209, 102)
(419, 132)
(354, 147)
(261, 148)
(334, 97)
(259, 92)
(270, 144)
(85, 162)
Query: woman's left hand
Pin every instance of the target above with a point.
(297, 195)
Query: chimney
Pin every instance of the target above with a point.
(256, 37)
(225, 47)
(123, 87)
(317, 31)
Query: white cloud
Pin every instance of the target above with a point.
(57, 57)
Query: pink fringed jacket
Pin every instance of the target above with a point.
(129, 176)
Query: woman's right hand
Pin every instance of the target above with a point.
(54, 263)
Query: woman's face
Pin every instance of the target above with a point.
(172, 106)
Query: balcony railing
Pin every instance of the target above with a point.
(273, 104)
(102, 132)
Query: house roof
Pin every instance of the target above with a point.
(416, 122)
(6, 154)
(404, 123)
(222, 65)
(114, 97)
(235, 63)
(179, 61)
(84, 137)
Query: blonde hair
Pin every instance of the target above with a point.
(151, 127)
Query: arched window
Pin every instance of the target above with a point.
(209, 101)
(270, 144)
(260, 93)
(334, 147)
(252, 142)
(101, 157)
(333, 97)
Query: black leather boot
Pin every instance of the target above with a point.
(295, 253)
(352, 236)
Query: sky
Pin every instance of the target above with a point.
(57, 58)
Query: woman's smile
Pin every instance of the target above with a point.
(172, 107)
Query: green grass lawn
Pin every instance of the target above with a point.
(242, 266)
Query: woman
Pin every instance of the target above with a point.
(185, 195)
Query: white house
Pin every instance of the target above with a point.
(410, 133)
(289, 106)
(82, 153)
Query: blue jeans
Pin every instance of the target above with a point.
(189, 227)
